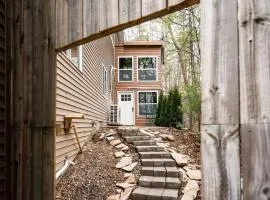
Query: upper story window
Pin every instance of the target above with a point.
(104, 80)
(147, 68)
(125, 69)
(75, 55)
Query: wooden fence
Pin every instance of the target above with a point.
(235, 46)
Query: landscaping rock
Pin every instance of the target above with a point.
(125, 148)
(110, 138)
(119, 154)
(126, 175)
(191, 190)
(131, 179)
(167, 137)
(110, 134)
(130, 167)
(114, 197)
(124, 185)
(125, 161)
(187, 197)
(194, 174)
(120, 146)
(126, 194)
(119, 191)
(184, 175)
(115, 142)
(180, 159)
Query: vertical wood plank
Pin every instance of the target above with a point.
(34, 78)
(75, 16)
(87, 17)
(94, 16)
(254, 61)
(112, 13)
(255, 157)
(219, 44)
(151, 6)
(220, 159)
(220, 100)
(102, 14)
(254, 36)
(62, 21)
(135, 11)
(123, 11)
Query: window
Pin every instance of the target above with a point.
(125, 69)
(75, 55)
(104, 81)
(147, 103)
(125, 97)
(147, 68)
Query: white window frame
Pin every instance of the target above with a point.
(138, 103)
(79, 61)
(132, 70)
(104, 80)
(147, 56)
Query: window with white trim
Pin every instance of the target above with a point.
(104, 80)
(147, 103)
(147, 68)
(75, 55)
(125, 69)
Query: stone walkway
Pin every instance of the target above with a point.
(159, 176)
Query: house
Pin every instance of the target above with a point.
(137, 81)
(82, 87)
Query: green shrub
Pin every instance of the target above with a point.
(169, 111)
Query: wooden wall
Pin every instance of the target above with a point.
(79, 21)
(135, 86)
(81, 92)
(4, 136)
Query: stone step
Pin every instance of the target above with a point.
(155, 154)
(159, 182)
(159, 162)
(144, 143)
(137, 138)
(160, 171)
(145, 193)
(126, 134)
(149, 148)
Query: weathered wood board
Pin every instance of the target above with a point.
(80, 21)
(221, 162)
(254, 39)
(254, 35)
(219, 62)
(220, 100)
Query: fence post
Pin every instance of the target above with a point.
(34, 71)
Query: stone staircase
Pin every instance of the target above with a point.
(159, 176)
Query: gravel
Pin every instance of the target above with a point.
(94, 176)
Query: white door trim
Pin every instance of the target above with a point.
(133, 99)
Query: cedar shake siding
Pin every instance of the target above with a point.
(81, 91)
(136, 49)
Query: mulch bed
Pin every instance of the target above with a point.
(93, 177)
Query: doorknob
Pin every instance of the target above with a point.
(132, 109)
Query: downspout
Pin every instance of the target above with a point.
(63, 169)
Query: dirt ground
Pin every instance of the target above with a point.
(93, 177)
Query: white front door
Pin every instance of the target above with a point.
(126, 108)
